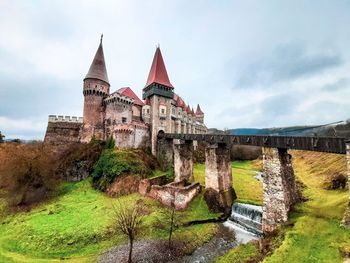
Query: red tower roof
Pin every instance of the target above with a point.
(158, 73)
(199, 110)
(126, 91)
(188, 109)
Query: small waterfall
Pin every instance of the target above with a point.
(246, 221)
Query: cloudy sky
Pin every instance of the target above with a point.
(247, 63)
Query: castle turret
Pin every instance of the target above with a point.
(200, 127)
(160, 92)
(96, 88)
(199, 114)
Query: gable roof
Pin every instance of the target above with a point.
(127, 91)
(98, 69)
(158, 73)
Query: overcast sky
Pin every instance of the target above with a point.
(247, 63)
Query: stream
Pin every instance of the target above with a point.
(244, 225)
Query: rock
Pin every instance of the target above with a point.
(76, 172)
(345, 251)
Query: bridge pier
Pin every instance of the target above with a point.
(183, 160)
(278, 187)
(218, 177)
(346, 219)
(165, 152)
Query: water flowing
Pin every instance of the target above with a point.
(246, 221)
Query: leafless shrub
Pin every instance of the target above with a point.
(170, 220)
(128, 222)
(27, 172)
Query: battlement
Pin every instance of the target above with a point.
(117, 97)
(61, 118)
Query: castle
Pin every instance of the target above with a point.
(132, 122)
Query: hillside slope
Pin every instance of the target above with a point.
(316, 234)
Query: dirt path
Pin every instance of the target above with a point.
(149, 251)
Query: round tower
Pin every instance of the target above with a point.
(95, 90)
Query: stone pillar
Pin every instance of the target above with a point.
(218, 178)
(346, 219)
(278, 186)
(183, 160)
(165, 152)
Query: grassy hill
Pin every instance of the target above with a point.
(78, 226)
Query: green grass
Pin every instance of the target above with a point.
(248, 189)
(239, 254)
(317, 234)
(78, 226)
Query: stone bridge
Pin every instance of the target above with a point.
(278, 175)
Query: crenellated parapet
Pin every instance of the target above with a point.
(61, 118)
(115, 97)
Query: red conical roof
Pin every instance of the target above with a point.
(158, 73)
(188, 109)
(178, 102)
(129, 93)
(98, 66)
(199, 110)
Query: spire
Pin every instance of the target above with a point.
(188, 109)
(98, 66)
(199, 110)
(158, 73)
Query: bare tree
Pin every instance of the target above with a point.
(170, 220)
(129, 220)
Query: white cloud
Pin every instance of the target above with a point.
(30, 128)
(206, 46)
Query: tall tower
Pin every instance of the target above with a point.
(200, 114)
(159, 92)
(96, 88)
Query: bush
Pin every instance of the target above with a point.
(27, 172)
(114, 163)
(77, 161)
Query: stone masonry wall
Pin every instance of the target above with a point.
(218, 178)
(218, 171)
(278, 187)
(60, 133)
(175, 194)
(165, 153)
(183, 160)
(346, 219)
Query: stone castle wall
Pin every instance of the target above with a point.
(133, 135)
(62, 130)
